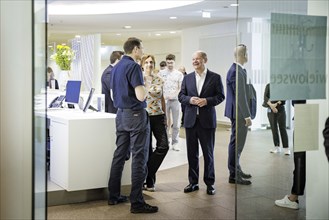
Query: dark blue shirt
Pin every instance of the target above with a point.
(125, 77)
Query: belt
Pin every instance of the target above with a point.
(129, 110)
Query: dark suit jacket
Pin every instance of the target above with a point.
(212, 90)
(106, 89)
(243, 106)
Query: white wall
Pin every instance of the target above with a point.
(218, 41)
(317, 166)
(16, 109)
(161, 48)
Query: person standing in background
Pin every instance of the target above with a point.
(236, 82)
(106, 89)
(163, 65)
(325, 133)
(155, 107)
(299, 176)
(52, 83)
(201, 91)
(132, 128)
(172, 84)
(276, 114)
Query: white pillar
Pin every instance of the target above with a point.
(16, 109)
(317, 168)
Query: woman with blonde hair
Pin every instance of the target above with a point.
(156, 111)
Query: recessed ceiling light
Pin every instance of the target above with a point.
(172, 17)
(127, 27)
(157, 34)
(234, 5)
(77, 36)
(118, 34)
(172, 32)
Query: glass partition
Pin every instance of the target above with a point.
(39, 150)
(282, 43)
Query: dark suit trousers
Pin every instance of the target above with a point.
(206, 136)
(276, 119)
(158, 128)
(236, 145)
(299, 173)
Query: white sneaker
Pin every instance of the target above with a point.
(286, 151)
(175, 147)
(150, 189)
(286, 203)
(275, 150)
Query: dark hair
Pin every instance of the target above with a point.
(116, 55)
(49, 70)
(171, 57)
(146, 56)
(130, 44)
(163, 63)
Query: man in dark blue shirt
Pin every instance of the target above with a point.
(132, 127)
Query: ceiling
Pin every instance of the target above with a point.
(156, 24)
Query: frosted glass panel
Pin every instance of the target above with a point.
(306, 127)
(298, 57)
(39, 74)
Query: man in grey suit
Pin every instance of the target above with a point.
(239, 115)
(200, 92)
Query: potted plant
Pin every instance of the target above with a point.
(63, 57)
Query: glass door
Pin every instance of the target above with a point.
(39, 121)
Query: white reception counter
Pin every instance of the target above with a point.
(81, 149)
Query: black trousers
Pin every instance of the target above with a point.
(299, 173)
(158, 128)
(276, 119)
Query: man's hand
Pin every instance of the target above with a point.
(194, 100)
(201, 102)
(248, 122)
(198, 101)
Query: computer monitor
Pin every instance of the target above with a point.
(73, 91)
(90, 97)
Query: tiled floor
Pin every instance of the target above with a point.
(272, 179)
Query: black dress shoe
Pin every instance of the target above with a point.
(244, 175)
(239, 180)
(211, 190)
(146, 208)
(121, 199)
(191, 187)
